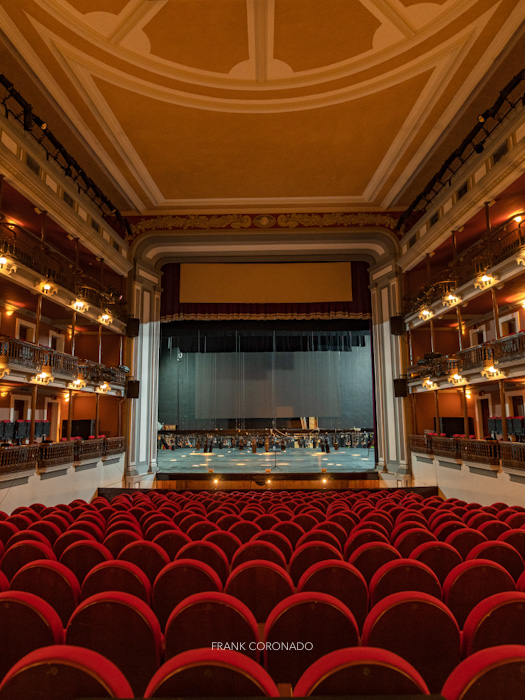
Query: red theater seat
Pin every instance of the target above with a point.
(403, 575)
(501, 552)
(465, 539)
(421, 629)
(496, 672)
(118, 539)
(68, 537)
(260, 585)
(439, 556)
(361, 671)
(258, 550)
(117, 576)
(318, 620)
(407, 541)
(64, 672)
(370, 557)
(26, 623)
(211, 673)
(208, 553)
(317, 535)
(361, 537)
(177, 581)
(22, 553)
(122, 628)
(471, 582)
(203, 619)
(341, 580)
(81, 557)
(498, 619)
(310, 553)
(172, 541)
(148, 556)
(276, 538)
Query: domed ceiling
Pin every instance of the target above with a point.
(259, 105)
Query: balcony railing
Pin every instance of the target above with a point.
(511, 347)
(446, 447)
(114, 445)
(88, 449)
(57, 453)
(21, 353)
(476, 357)
(420, 443)
(63, 365)
(513, 455)
(481, 451)
(25, 247)
(18, 458)
(97, 373)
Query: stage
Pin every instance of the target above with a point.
(188, 461)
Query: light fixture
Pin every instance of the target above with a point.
(457, 379)
(4, 394)
(9, 310)
(493, 373)
(80, 305)
(425, 314)
(77, 384)
(6, 265)
(44, 377)
(517, 219)
(451, 300)
(484, 281)
(3, 261)
(429, 384)
(324, 481)
(268, 481)
(102, 388)
(215, 481)
(468, 394)
(105, 318)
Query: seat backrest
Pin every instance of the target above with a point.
(439, 556)
(257, 549)
(178, 580)
(116, 575)
(498, 619)
(205, 619)
(490, 673)
(81, 557)
(171, 542)
(148, 556)
(209, 553)
(370, 557)
(471, 582)
(360, 537)
(310, 553)
(22, 553)
(122, 628)
(63, 672)
(26, 623)
(403, 575)
(68, 537)
(278, 539)
(366, 670)
(118, 539)
(465, 539)
(407, 541)
(340, 579)
(51, 581)
(211, 673)
(421, 629)
(260, 585)
(501, 552)
(301, 629)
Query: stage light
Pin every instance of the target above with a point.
(268, 481)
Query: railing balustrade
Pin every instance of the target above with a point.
(88, 449)
(511, 347)
(446, 447)
(481, 451)
(18, 458)
(22, 354)
(420, 443)
(63, 364)
(56, 453)
(114, 445)
(513, 455)
(476, 357)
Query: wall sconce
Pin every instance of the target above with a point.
(451, 300)
(102, 388)
(6, 265)
(79, 305)
(484, 281)
(429, 384)
(468, 393)
(493, 373)
(4, 394)
(46, 288)
(425, 314)
(457, 379)
(9, 310)
(43, 378)
(77, 384)
(4, 371)
(105, 319)
(517, 219)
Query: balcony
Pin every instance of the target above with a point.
(18, 458)
(88, 450)
(113, 446)
(480, 451)
(55, 454)
(420, 443)
(98, 374)
(21, 354)
(63, 365)
(513, 456)
(446, 447)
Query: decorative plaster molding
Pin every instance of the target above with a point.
(266, 221)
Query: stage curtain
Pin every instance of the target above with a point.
(173, 310)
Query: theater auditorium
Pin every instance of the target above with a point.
(262, 349)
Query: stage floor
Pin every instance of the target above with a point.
(295, 460)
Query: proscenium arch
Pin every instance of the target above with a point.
(375, 245)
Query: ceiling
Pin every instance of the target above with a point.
(188, 106)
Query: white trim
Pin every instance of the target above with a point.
(27, 324)
(58, 336)
(27, 408)
(479, 422)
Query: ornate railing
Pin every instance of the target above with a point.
(482, 451)
(22, 354)
(56, 453)
(114, 445)
(511, 347)
(446, 447)
(512, 455)
(436, 289)
(18, 458)
(420, 443)
(63, 365)
(476, 357)
(88, 449)
(95, 372)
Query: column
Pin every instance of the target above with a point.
(389, 363)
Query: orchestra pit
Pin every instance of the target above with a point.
(262, 349)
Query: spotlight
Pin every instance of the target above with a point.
(479, 148)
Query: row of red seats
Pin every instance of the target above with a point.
(299, 631)
(66, 672)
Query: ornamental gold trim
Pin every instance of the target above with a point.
(264, 221)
